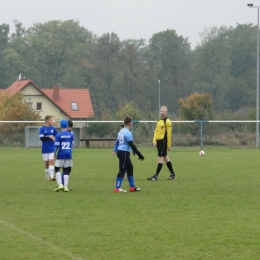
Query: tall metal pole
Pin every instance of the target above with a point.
(257, 83)
(257, 76)
(159, 98)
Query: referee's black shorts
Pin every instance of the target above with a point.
(162, 147)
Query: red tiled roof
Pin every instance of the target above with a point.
(19, 85)
(79, 96)
(66, 96)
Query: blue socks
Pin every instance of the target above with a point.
(119, 182)
(131, 181)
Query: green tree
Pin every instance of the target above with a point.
(48, 52)
(4, 36)
(223, 65)
(129, 109)
(196, 107)
(105, 71)
(169, 63)
(213, 65)
(101, 129)
(4, 39)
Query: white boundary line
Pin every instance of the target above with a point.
(143, 121)
(40, 240)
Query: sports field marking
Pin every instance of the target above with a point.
(40, 240)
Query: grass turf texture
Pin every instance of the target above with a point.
(210, 212)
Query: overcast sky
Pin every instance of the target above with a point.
(133, 18)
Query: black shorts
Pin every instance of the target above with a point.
(162, 147)
(124, 161)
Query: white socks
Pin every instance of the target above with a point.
(58, 178)
(47, 173)
(51, 171)
(66, 180)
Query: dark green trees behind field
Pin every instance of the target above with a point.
(118, 72)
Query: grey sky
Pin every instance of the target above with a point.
(133, 18)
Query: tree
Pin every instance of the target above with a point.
(196, 107)
(106, 70)
(4, 38)
(47, 52)
(101, 129)
(14, 108)
(128, 109)
(213, 65)
(224, 66)
(169, 63)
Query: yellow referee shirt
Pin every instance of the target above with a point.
(159, 132)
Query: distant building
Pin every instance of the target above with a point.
(60, 103)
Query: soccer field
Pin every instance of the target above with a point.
(210, 212)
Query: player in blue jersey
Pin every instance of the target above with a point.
(63, 154)
(70, 126)
(125, 142)
(47, 135)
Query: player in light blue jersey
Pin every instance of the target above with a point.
(124, 143)
(47, 135)
(63, 153)
(116, 142)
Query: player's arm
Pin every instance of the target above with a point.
(135, 150)
(155, 135)
(56, 152)
(116, 145)
(42, 137)
(169, 133)
(57, 146)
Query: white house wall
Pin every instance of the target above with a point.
(33, 95)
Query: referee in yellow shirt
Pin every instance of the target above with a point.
(162, 140)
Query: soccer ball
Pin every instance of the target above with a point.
(202, 153)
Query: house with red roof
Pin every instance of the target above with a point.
(60, 103)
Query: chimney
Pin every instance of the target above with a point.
(56, 90)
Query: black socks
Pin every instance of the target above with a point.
(159, 167)
(169, 165)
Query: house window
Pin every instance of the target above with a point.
(39, 106)
(74, 106)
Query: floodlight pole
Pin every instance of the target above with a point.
(257, 77)
(159, 97)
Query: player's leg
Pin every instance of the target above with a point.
(66, 173)
(161, 149)
(46, 166)
(51, 167)
(130, 177)
(169, 165)
(62, 178)
(58, 165)
(121, 173)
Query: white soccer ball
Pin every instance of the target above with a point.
(202, 153)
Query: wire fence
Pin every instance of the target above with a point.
(197, 133)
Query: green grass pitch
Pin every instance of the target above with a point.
(212, 210)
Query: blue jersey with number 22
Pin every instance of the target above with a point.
(64, 142)
(123, 137)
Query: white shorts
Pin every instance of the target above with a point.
(64, 163)
(47, 156)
